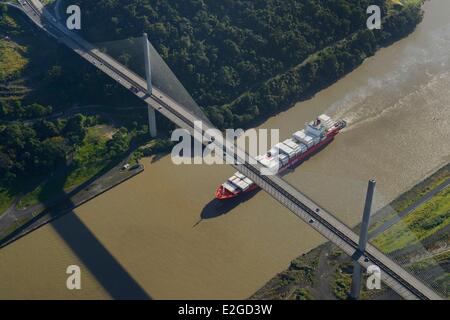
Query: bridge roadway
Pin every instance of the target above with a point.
(405, 284)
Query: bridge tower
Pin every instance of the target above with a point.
(363, 237)
(148, 75)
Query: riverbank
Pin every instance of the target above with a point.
(325, 272)
(15, 223)
(321, 69)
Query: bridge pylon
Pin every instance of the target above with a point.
(363, 237)
(148, 76)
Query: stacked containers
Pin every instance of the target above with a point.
(239, 175)
(230, 187)
(284, 149)
(286, 153)
(282, 152)
(326, 121)
(296, 148)
(243, 185)
(284, 159)
(243, 178)
(302, 137)
(238, 181)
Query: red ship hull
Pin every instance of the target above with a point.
(224, 194)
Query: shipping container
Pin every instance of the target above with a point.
(230, 187)
(284, 159)
(284, 148)
(304, 138)
(326, 121)
(247, 180)
(291, 143)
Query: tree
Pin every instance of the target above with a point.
(74, 129)
(119, 143)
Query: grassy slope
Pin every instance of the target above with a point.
(90, 153)
(12, 59)
(429, 218)
(410, 197)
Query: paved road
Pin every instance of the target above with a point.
(324, 222)
(409, 210)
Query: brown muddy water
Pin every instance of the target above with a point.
(160, 234)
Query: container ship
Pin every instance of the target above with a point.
(285, 155)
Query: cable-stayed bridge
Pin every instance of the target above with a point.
(404, 283)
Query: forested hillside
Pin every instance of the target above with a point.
(221, 50)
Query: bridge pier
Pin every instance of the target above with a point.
(152, 121)
(363, 236)
(148, 74)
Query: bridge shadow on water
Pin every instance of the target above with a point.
(104, 267)
(111, 275)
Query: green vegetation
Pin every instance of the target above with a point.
(442, 280)
(302, 294)
(433, 261)
(55, 76)
(6, 199)
(88, 160)
(420, 224)
(342, 282)
(94, 154)
(42, 191)
(12, 60)
(15, 110)
(21, 221)
(243, 60)
(32, 198)
(295, 282)
(425, 226)
(75, 150)
(412, 196)
(6, 21)
(304, 269)
(49, 153)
